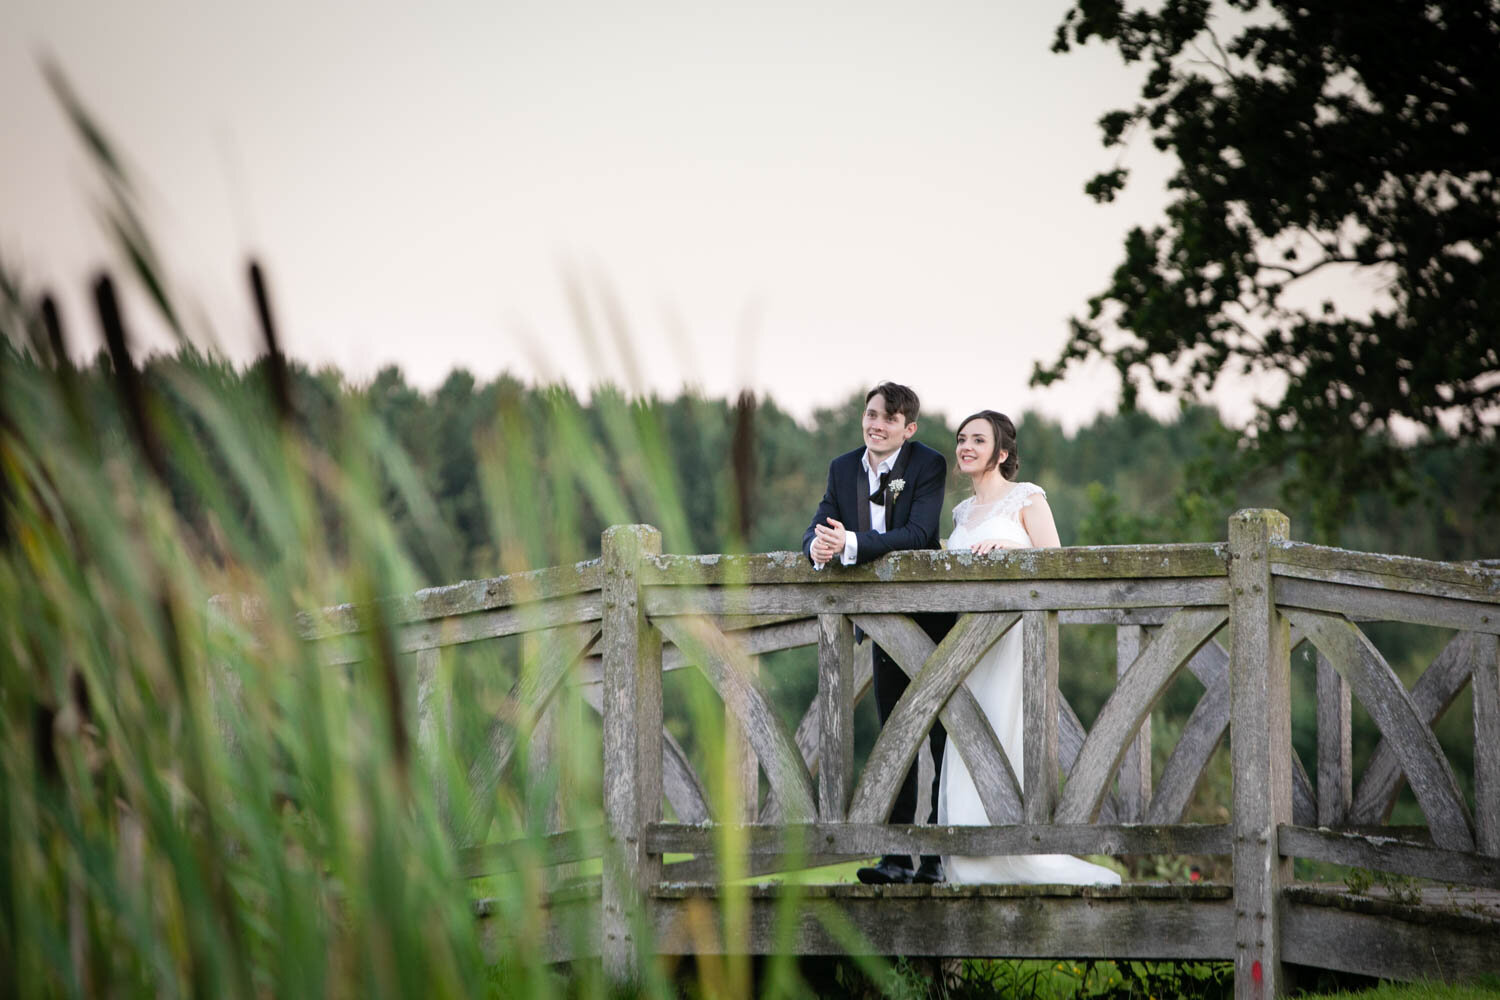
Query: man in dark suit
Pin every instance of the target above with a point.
(883, 497)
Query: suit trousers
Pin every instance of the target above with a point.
(890, 684)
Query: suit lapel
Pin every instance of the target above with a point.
(860, 483)
(897, 507)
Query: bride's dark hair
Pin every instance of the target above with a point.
(1004, 435)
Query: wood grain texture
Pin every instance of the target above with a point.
(870, 839)
(807, 735)
(1390, 854)
(632, 710)
(1391, 707)
(1462, 580)
(907, 598)
(1437, 688)
(1486, 680)
(479, 625)
(1387, 605)
(1375, 937)
(1135, 767)
(936, 691)
(1130, 702)
(754, 640)
(835, 715)
(1260, 713)
(730, 673)
(1100, 562)
(456, 599)
(1039, 666)
(1335, 745)
(994, 920)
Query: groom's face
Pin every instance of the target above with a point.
(885, 432)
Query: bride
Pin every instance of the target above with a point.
(1002, 513)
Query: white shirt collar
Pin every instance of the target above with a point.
(886, 466)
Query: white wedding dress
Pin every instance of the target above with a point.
(995, 683)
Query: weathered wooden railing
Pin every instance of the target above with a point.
(1228, 613)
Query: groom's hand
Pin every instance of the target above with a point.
(830, 540)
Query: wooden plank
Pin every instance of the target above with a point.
(767, 637)
(1486, 680)
(1200, 737)
(871, 839)
(456, 599)
(969, 731)
(1188, 922)
(561, 848)
(1374, 937)
(1335, 746)
(1135, 769)
(1384, 605)
(632, 710)
(908, 598)
(835, 715)
(908, 724)
(1391, 706)
(473, 627)
(1463, 580)
(728, 670)
(1115, 616)
(1390, 854)
(1434, 691)
(1101, 562)
(1129, 703)
(1261, 750)
(559, 649)
(1039, 714)
(808, 737)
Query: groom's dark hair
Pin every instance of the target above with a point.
(898, 399)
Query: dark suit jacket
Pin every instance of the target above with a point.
(912, 519)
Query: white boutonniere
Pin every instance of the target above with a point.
(895, 486)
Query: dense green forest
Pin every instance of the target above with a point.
(1124, 478)
(483, 478)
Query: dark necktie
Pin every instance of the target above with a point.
(878, 497)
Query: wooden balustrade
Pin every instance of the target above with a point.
(1230, 614)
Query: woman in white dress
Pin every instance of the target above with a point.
(1002, 514)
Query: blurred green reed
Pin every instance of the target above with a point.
(193, 803)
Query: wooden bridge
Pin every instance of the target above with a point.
(1229, 613)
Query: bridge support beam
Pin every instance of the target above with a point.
(1261, 750)
(632, 749)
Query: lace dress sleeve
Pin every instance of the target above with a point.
(961, 512)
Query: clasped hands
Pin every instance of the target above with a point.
(829, 543)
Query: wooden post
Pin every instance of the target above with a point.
(1039, 714)
(1486, 682)
(1261, 750)
(434, 721)
(1335, 754)
(632, 745)
(835, 716)
(745, 774)
(1135, 769)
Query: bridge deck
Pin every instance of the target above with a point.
(1448, 934)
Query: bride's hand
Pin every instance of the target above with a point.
(991, 544)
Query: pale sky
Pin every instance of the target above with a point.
(804, 199)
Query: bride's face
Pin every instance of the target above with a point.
(976, 445)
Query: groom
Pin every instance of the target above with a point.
(886, 496)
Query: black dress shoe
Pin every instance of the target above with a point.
(930, 872)
(887, 872)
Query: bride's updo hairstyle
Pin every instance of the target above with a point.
(1004, 434)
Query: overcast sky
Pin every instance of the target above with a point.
(801, 198)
